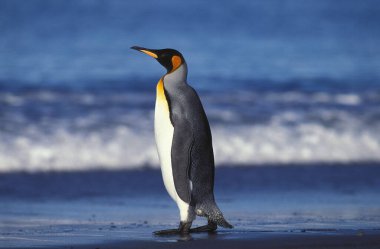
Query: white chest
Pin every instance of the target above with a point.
(164, 130)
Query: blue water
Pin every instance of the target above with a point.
(281, 81)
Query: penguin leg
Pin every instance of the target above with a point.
(210, 227)
(184, 228)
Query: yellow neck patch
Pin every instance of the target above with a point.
(161, 94)
(176, 62)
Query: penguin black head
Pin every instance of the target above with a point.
(171, 59)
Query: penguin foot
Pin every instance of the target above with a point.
(210, 227)
(184, 228)
(167, 232)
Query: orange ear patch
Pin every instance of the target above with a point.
(176, 62)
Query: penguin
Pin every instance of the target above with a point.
(184, 145)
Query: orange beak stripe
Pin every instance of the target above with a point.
(149, 53)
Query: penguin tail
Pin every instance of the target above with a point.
(213, 213)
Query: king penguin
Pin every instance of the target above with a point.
(184, 145)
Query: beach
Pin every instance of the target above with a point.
(361, 239)
(291, 90)
(313, 206)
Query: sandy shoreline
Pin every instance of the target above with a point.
(352, 239)
(306, 239)
(273, 207)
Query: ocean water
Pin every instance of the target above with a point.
(282, 82)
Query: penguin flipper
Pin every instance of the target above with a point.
(182, 144)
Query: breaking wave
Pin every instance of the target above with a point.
(123, 147)
(43, 129)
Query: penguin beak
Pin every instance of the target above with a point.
(146, 51)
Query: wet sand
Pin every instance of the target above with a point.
(242, 240)
(333, 206)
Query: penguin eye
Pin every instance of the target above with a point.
(163, 56)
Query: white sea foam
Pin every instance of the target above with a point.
(122, 147)
(119, 148)
(115, 130)
(302, 144)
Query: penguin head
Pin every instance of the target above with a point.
(171, 59)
